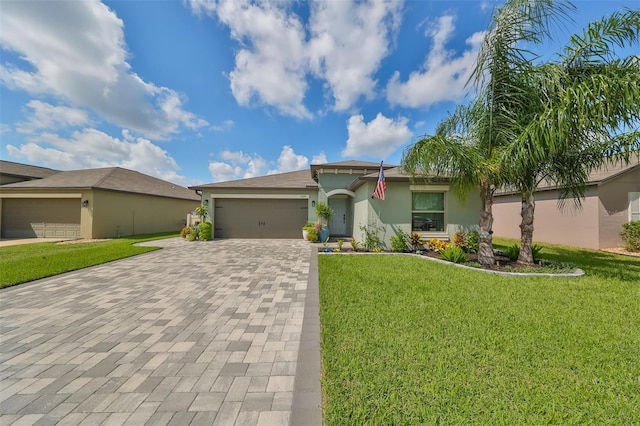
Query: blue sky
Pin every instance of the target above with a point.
(201, 91)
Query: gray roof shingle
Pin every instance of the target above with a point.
(300, 179)
(25, 170)
(109, 179)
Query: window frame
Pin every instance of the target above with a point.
(438, 190)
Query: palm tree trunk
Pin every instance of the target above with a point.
(526, 228)
(485, 252)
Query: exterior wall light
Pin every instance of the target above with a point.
(85, 203)
(313, 203)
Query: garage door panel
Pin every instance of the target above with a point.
(259, 218)
(30, 218)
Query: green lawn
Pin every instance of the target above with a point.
(28, 262)
(406, 341)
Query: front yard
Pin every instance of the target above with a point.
(22, 263)
(409, 341)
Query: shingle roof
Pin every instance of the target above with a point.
(25, 170)
(394, 174)
(291, 180)
(601, 175)
(110, 179)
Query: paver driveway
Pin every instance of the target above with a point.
(196, 333)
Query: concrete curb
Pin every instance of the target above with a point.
(307, 393)
(575, 274)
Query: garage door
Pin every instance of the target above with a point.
(259, 218)
(30, 218)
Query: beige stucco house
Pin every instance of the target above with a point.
(93, 203)
(279, 205)
(612, 198)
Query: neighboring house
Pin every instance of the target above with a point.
(279, 205)
(612, 198)
(94, 203)
(11, 172)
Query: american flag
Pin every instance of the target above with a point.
(381, 186)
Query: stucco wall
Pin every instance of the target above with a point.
(395, 212)
(572, 227)
(613, 207)
(119, 214)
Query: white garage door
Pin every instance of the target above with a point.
(50, 218)
(259, 218)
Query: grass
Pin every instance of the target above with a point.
(409, 341)
(28, 262)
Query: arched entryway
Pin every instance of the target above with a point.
(341, 201)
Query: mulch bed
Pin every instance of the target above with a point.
(503, 263)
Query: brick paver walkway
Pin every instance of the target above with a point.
(196, 333)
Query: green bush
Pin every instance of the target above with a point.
(312, 235)
(205, 231)
(513, 252)
(631, 235)
(473, 242)
(399, 242)
(191, 234)
(454, 254)
(372, 240)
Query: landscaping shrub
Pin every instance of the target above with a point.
(312, 235)
(454, 254)
(473, 242)
(513, 252)
(192, 234)
(459, 239)
(631, 235)
(183, 232)
(399, 242)
(436, 244)
(415, 240)
(372, 240)
(205, 231)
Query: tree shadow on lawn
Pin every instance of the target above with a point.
(597, 263)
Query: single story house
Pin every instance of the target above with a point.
(93, 203)
(279, 205)
(612, 198)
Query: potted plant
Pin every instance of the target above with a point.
(305, 230)
(324, 213)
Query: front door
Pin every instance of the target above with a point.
(338, 225)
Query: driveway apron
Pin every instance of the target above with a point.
(195, 333)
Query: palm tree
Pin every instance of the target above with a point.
(468, 146)
(580, 112)
(458, 152)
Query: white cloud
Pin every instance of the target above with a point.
(344, 46)
(444, 75)
(348, 42)
(377, 139)
(91, 148)
(271, 63)
(76, 50)
(4, 128)
(319, 159)
(47, 116)
(290, 161)
(239, 165)
(224, 126)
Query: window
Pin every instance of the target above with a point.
(634, 206)
(427, 211)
